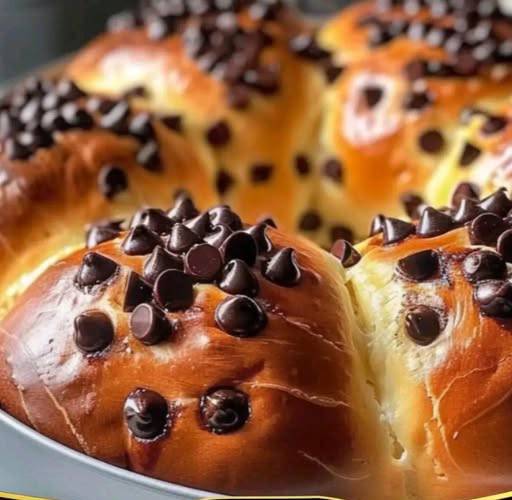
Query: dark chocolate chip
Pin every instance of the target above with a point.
(53, 121)
(9, 125)
(504, 245)
(240, 245)
(160, 261)
(493, 125)
(101, 232)
(174, 290)
(282, 269)
(310, 221)
(116, 120)
(149, 157)
(305, 45)
(77, 117)
(69, 90)
(219, 134)
(141, 127)
(333, 170)
(465, 190)
(413, 204)
(498, 203)
(112, 180)
(259, 233)
(434, 223)
(486, 229)
(422, 325)
(484, 265)
(431, 141)
(469, 154)
(147, 414)
(200, 224)
(238, 97)
(267, 221)
(94, 332)
(100, 105)
(240, 316)
(184, 209)
(95, 270)
(302, 165)
(342, 233)
(182, 239)
(154, 219)
(261, 173)
(396, 230)
(203, 262)
(347, 254)
(218, 236)
(415, 70)
(137, 91)
(238, 279)
(224, 182)
(14, 150)
(468, 210)
(419, 266)
(136, 292)
(494, 297)
(224, 410)
(140, 241)
(372, 95)
(377, 225)
(173, 122)
(224, 215)
(149, 325)
(417, 100)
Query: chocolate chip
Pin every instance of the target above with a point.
(261, 173)
(35, 140)
(434, 223)
(305, 45)
(483, 265)
(413, 204)
(494, 298)
(182, 239)
(468, 210)
(417, 100)
(415, 70)
(498, 203)
(341, 233)
(240, 316)
(431, 141)
(112, 180)
(238, 97)
(264, 79)
(465, 190)
(69, 90)
(116, 120)
(282, 268)
(219, 134)
(136, 292)
(310, 221)
(141, 127)
(76, 117)
(469, 154)
(224, 215)
(372, 95)
(149, 157)
(173, 122)
(419, 266)
(154, 219)
(302, 165)
(95, 270)
(100, 105)
(174, 290)
(422, 325)
(486, 229)
(9, 125)
(493, 125)
(140, 241)
(240, 245)
(377, 225)
(504, 245)
(238, 279)
(347, 254)
(184, 209)
(53, 121)
(200, 224)
(218, 236)
(224, 182)
(259, 233)
(94, 332)
(203, 262)
(101, 232)
(149, 325)
(267, 221)
(333, 170)
(14, 150)
(147, 414)
(332, 71)
(160, 261)
(396, 230)
(137, 91)
(224, 410)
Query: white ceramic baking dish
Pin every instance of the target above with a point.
(32, 464)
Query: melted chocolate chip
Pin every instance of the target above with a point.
(238, 279)
(310, 221)
(174, 290)
(422, 325)
(95, 270)
(347, 254)
(259, 233)
(486, 229)
(240, 245)
(419, 266)
(94, 332)
(282, 269)
(333, 170)
(504, 245)
(147, 414)
(182, 239)
(434, 223)
(483, 265)
(224, 182)
(203, 262)
(112, 180)
(160, 261)
(224, 410)
(240, 316)
(494, 298)
(431, 141)
(218, 236)
(149, 325)
(140, 241)
(261, 173)
(396, 230)
(136, 292)
(469, 154)
(219, 134)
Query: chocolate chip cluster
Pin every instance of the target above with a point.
(183, 249)
(473, 40)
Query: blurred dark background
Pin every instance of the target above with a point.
(34, 32)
